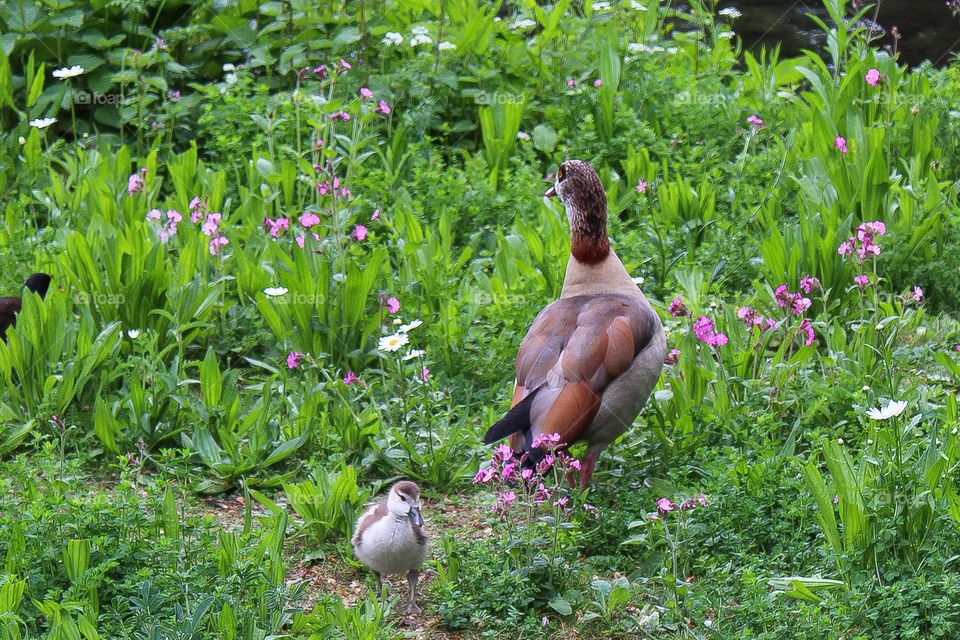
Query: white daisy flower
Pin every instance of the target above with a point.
(419, 30)
(273, 292)
(413, 353)
(389, 344)
(638, 47)
(891, 410)
(523, 135)
(133, 333)
(446, 45)
(725, 35)
(603, 5)
(229, 66)
(406, 328)
(522, 24)
(68, 72)
(636, 6)
(731, 12)
(419, 39)
(392, 38)
(42, 123)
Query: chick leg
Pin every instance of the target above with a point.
(412, 577)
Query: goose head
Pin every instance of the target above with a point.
(579, 188)
(404, 502)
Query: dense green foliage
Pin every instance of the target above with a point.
(295, 247)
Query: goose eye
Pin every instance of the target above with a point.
(560, 174)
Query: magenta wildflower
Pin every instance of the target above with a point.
(800, 304)
(562, 502)
(344, 64)
(321, 71)
(571, 82)
(840, 143)
(349, 379)
(807, 329)
(365, 93)
(393, 305)
(783, 296)
(703, 327)
(359, 233)
(154, 214)
(873, 77)
(642, 186)
(217, 243)
(374, 215)
(677, 308)
(425, 374)
(280, 224)
(916, 295)
(211, 225)
(672, 357)
(809, 283)
(863, 280)
(755, 121)
(664, 505)
(597, 83)
(293, 359)
(383, 108)
(135, 184)
(307, 220)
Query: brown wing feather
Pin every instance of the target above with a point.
(620, 347)
(573, 409)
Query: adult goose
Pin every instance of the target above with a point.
(10, 306)
(591, 358)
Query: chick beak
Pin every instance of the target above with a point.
(551, 192)
(415, 517)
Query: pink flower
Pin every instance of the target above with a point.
(677, 308)
(135, 184)
(174, 217)
(211, 225)
(484, 476)
(809, 283)
(425, 374)
(748, 315)
(299, 240)
(916, 295)
(783, 296)
(344, 64)
(846, 247)
(562, 502)
(575, 464)
(693, 503)
(862, 280)
(393, 305)
(703, 327)
(672, 357)
(278, 225)
(840, 143)
(597, 83)
(307, 220)
(800, 304)
(716, 340)
(664, 505)
(874, 229)
(807, 329)
(571, 82)
(642, 186)
(873, 77)
(359, 233)
(349, 379)
(502, 452)
(508, 471)
(321, 71)
(365, 93)
(383, 108)
(755, 121)
(526, 475)
(836, 498)
(505, 500)
(374, 215)
(550, 440)
(293, 359)
(217, 243)
(154, 214)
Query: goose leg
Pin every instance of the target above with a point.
(412, 577)
(586, 467)
(379, 586)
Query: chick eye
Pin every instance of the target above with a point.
(402, 498)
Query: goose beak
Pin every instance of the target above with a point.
(415, 517)
(551, 192)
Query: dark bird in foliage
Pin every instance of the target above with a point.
(591, 358)
(10, 306)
